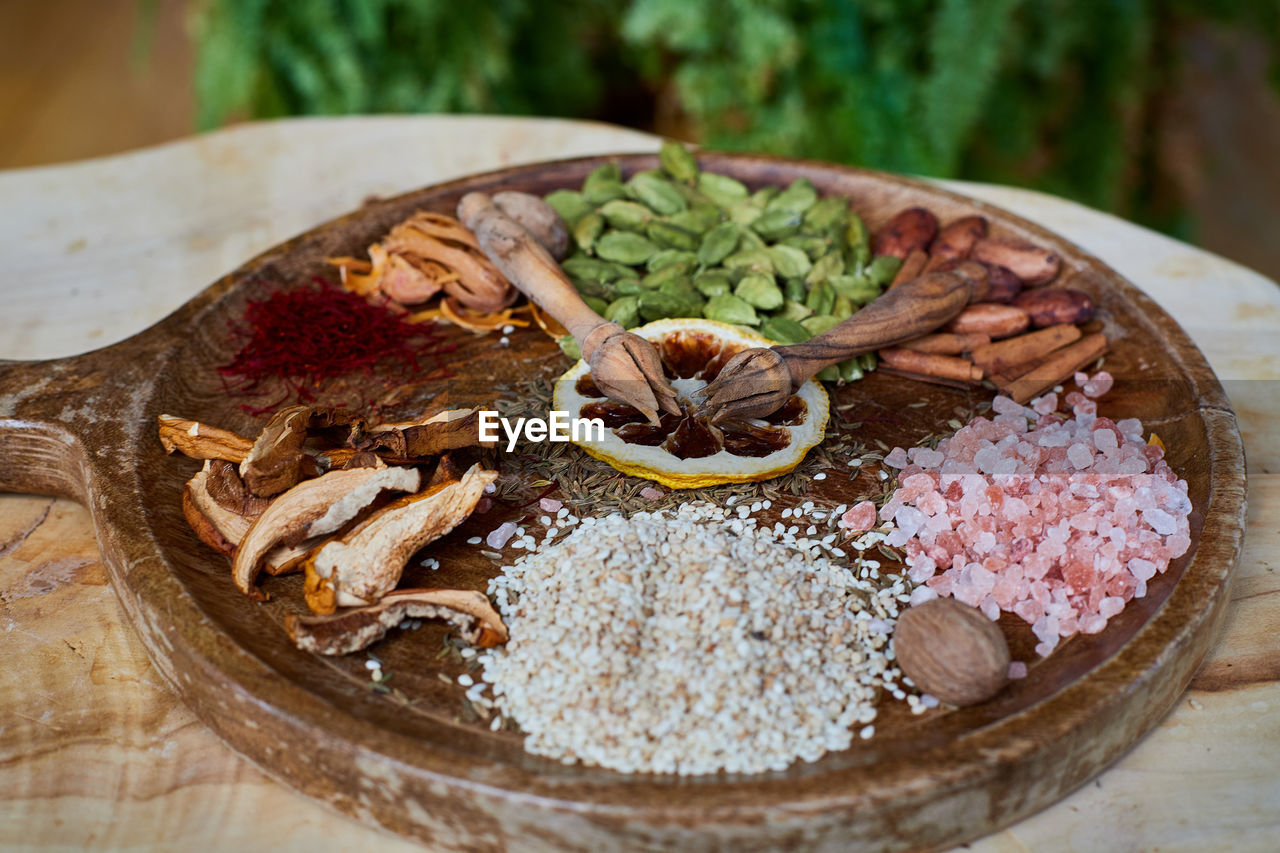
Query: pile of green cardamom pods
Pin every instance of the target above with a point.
(682, 242)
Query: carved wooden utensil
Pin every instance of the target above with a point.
(623, 365)
(756, 382)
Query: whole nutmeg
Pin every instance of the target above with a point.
(951, 651)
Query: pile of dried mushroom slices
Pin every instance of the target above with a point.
(346, 501)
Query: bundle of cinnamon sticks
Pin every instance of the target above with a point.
(1023, 337)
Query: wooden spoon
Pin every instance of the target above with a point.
(624, 366)
(757, 382)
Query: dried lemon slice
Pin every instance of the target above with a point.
(685, 452)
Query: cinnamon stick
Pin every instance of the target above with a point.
(1055, 368)
(947, 343)
(912, 266)
(932, 380)
(931, 364)
(1007, 355)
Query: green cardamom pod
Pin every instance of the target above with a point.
(713, 282)
(589, 269)
(795, 289)
(750, 240)
(784, 330)
(626, 287)
(826, 266)
(604, 184)
(797, 198)
(776, 224)
(856, 234)
(728, 308)
(721, 189)
(842, 308)
(883, 269)
(670, 236)
(681, 286)
(822, 297)
(624, 247)
(850, 370)
(569, 347)
(813, 246)
(627, 215)
(570, 204)
(656, 305)
(789, 261)
(868, 361)
(657, 192)
(700, 218)
(687, 261)
(596, 303)
(760, 290)
(819, 323)
(659, 277)
(625, 311)
(827, 213)
(587, 230)
(718, 244)
(831, 373)
(858, 289)
(745, 213)
(678, 162)
(761, 197)
(751, 260)
(793, 310)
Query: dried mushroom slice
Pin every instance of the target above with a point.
(313, 508)
(223, 527)
(357, 628)
(278, 461)
(275, 462)
(366, 564)
(230, 492)
(201, 441)
(448, 430)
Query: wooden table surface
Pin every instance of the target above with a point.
(95, 752)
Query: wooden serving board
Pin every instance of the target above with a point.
(83, 427)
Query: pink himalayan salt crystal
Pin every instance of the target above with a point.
(859, 519)
(500, 535)
(1096, 386)
(897, 458)
(1058, 520)
(1017, 669)
(551, 504)
(483, 505)
(651, 493)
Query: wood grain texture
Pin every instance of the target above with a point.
(1249, 819)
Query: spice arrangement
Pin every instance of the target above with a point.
(632, 625)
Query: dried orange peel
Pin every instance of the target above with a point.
(692, 350)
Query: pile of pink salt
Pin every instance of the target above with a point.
(1058, 519)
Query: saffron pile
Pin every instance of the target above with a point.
(300, 340)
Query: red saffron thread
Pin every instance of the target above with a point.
(304, 338)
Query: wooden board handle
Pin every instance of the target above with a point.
(62, 419)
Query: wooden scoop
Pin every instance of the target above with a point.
(756, 382)
(624, 366)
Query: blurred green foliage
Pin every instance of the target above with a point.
(1055, 94)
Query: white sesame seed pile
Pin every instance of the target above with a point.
(689, 642)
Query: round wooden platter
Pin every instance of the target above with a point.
(84, 427)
